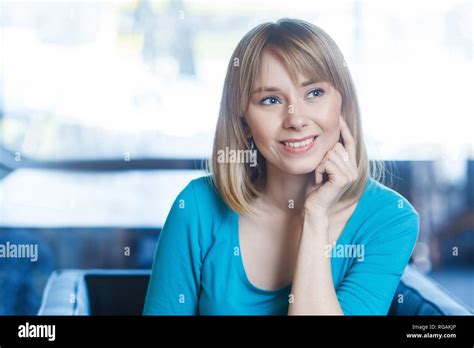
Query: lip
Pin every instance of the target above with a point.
(302, 149)
(294, 140)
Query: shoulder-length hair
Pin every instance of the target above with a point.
(304, 48)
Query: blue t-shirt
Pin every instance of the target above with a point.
(198, 268)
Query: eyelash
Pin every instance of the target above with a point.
(321, 91)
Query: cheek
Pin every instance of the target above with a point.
(264, 137)
(329, 120)
(262, 131)
(331, 130)
(264, 134)
(332, 125)
(332, 134)
(330, 116)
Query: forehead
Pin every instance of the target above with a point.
(272, 67)
(276, 68)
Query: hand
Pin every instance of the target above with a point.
(341, 167)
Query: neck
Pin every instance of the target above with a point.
(286, 192)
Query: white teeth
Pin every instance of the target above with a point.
(299, 143)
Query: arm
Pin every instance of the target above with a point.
(313, 287)
(174, 284)
(369, 285)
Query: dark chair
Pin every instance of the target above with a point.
(122, 292)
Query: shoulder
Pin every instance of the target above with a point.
(201, 199)
(196, 215)
(388, 214)
(203, 187)
(385, 200)
(202, 192)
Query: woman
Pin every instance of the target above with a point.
(305, 229)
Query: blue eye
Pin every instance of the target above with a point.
(316, 93)
(271, 99)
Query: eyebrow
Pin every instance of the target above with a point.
(275, 89)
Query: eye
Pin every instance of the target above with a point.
(316, 93)
(269, 100)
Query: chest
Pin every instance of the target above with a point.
(269, 247)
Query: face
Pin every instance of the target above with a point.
(293, 126)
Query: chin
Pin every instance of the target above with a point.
(299, 168)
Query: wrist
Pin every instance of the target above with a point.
(317, 212)
(316, 220)
(316, 223)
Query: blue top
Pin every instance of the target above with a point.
(198, 269)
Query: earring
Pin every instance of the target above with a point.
(252, 144)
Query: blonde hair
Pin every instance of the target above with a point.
(305, 48)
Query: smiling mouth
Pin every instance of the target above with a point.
(299, 144)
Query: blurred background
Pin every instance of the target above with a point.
(107, 109)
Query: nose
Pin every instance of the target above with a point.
(294, 119)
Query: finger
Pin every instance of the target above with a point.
(333, 170)
(319, 177)
(344, 155)
(346, 169)
(320, 170)
(326, 156)
(319, 174)
(335, 174)
(342, 166)
(349, 142)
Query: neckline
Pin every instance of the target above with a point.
(240, 263)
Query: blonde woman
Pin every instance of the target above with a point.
(305, 230)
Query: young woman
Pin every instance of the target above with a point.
(305, 229)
